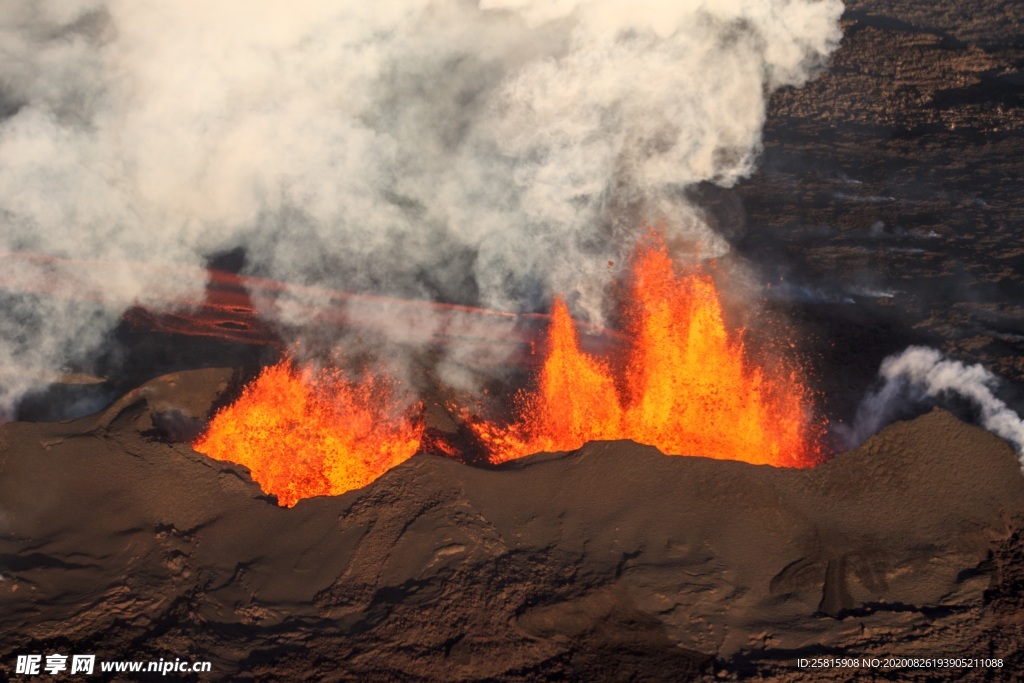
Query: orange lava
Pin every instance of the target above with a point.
(305, 433)
(684, 383)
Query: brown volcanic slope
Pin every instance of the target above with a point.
(611, 562)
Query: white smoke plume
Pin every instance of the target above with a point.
(923, 373)
(489, 152)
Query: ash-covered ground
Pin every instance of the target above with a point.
(614, 562)
(886, 211)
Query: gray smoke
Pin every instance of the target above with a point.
(921, 373)
(490, 152)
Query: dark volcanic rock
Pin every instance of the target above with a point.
(889, 198)
(612, 562)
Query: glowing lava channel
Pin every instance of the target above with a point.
(313, 432)
(683, 385)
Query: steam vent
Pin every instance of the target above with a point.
(511, 341)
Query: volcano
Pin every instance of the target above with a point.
(397, 237)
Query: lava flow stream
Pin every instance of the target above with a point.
(305, 433)
(683, 384)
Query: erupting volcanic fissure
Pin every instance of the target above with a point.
(683, 384)
(305, 433)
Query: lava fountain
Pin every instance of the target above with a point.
(684, 384)
(681, 382)
(313, 432)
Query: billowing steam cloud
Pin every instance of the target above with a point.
(489, 152)
(922, 373)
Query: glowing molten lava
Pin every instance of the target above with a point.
(682, 385)
(312, 433)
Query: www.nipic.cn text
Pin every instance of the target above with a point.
(87, 665)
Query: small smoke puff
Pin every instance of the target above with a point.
(926, 373)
